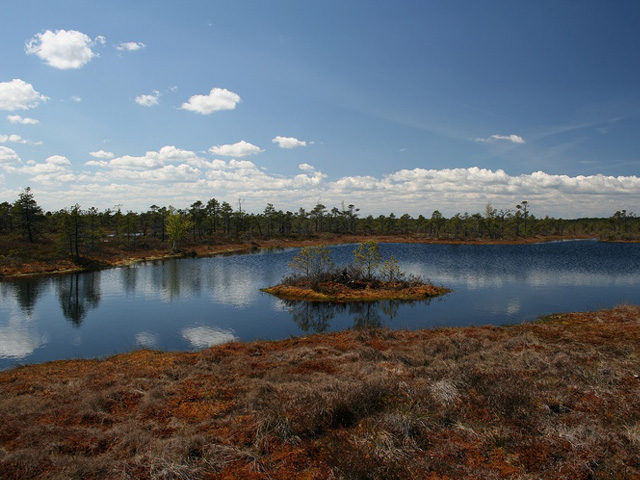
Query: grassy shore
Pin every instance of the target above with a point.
(553, 399)
(21, 259)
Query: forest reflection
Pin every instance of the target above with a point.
(315, 317)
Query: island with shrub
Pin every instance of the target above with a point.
(368, 278)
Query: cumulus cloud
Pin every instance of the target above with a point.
(17, 119)
(130, 46)
(509, 138)
(54, 170)
(179, 177)
(239, 149)
(8, 155)
(63, 49)
(76, 99)
(289, 142)
(97, 163)
(217, 99)
(19, 95)
(102, 154)
(305, 167)
(148, 100)
(12, 139)
(151, 159)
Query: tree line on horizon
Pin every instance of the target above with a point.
(79, 230)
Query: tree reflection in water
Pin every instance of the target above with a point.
(315, 317)
(78, 293)
(26, 292)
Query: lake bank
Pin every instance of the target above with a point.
(44, 264)
(553, 398)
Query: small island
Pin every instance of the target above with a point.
(369, 278)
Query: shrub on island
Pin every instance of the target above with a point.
(369, 277)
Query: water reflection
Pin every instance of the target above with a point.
(202, 337)
(315, 317)
(147, 340)
(129, 276)
(196, 303)
(19, 338)
(78, 293)
(25, 291)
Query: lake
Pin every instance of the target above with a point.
(194, 303)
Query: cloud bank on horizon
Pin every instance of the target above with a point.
(407, 138)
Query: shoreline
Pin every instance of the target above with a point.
(552, 398)
(39, 269)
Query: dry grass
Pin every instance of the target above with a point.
(338, 292)
(555, 399)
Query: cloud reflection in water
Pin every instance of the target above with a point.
(202, 337)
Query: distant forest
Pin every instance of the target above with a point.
(80, 229)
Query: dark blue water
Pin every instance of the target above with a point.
(193, 303)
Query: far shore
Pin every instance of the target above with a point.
(110, 259)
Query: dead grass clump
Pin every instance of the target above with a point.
(444, 392)
(369, 457)
(509, 394)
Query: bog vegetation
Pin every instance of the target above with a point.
(555, 399)
(368, 277)
(83, 235)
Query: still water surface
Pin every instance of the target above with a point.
(194, 303)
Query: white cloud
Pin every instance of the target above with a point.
(63, 49)
(239, 149)
(19, 95)
(179, 177)
(97, 163)
(130, 46)
(217, 99)
(54, 170)
(510, 138)
(76, 99)
(148, 100)
(22, 120)
(167, 173)
(152, 160)
(289, 142)
(12, 139)
(102, 154)
(8, 155)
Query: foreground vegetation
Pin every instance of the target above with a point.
(76, 238)
(553, 399)
(369, 277)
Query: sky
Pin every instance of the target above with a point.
(403, 107)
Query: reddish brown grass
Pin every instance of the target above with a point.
(554, 399)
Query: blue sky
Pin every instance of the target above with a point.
(401, 107)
